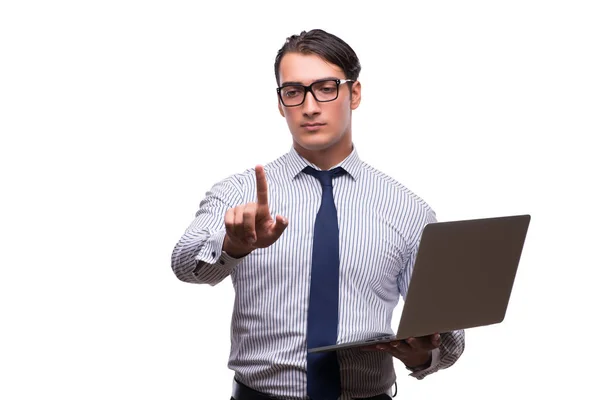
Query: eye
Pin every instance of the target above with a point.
(291, 93)
(326, 88)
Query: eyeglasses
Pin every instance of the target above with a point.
(325, 90)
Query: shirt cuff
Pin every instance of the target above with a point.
(211, 249)
(213, 259)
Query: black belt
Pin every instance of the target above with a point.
(243, 392)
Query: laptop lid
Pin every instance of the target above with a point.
(463, 275)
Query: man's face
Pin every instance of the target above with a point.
(333, 118)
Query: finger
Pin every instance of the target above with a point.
(415, 343)
(279, 226)
(420, 343)
(431, 342)
(401, 345)
(229, 222)
(238, 224)
(400, 354)
(262, 190)
(249, 218)
(374, 347)
(386, 347)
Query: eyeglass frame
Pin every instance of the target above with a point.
(308, 88)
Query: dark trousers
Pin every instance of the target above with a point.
(243, 392)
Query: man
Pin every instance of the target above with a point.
(319, 246)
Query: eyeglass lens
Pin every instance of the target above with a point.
(323, 91)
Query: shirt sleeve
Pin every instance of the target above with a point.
(452, 343)
(451, 348)
(198, 256)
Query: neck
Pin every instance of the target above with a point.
(328, 157)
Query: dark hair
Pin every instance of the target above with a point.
(323, 44)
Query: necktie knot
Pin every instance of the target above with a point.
(325, 177)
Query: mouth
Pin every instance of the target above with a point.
(312, 126)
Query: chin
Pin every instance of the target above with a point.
(316, 141)
(315, 146)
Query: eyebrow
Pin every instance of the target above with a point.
(328, 78)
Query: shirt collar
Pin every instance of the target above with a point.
(296, 163)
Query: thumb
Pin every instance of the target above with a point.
(279, 226)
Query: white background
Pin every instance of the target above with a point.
(116, 117)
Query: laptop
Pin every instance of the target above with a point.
(462, 278)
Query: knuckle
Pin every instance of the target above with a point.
(249, 209)
(238, 215)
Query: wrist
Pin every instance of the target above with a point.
(233, 250)
(419, 363)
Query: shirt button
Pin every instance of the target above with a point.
(222, 262)
(214, 254)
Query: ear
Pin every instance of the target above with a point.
(356, 88)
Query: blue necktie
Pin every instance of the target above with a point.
(323, 371)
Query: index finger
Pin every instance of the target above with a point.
(262, 193)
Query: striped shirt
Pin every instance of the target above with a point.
(380, 224)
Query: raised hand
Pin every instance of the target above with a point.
(250, 226)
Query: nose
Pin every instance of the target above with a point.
(311, 105)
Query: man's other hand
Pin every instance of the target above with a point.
(413, 352)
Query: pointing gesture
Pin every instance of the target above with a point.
(262, 191)
(250, 226)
